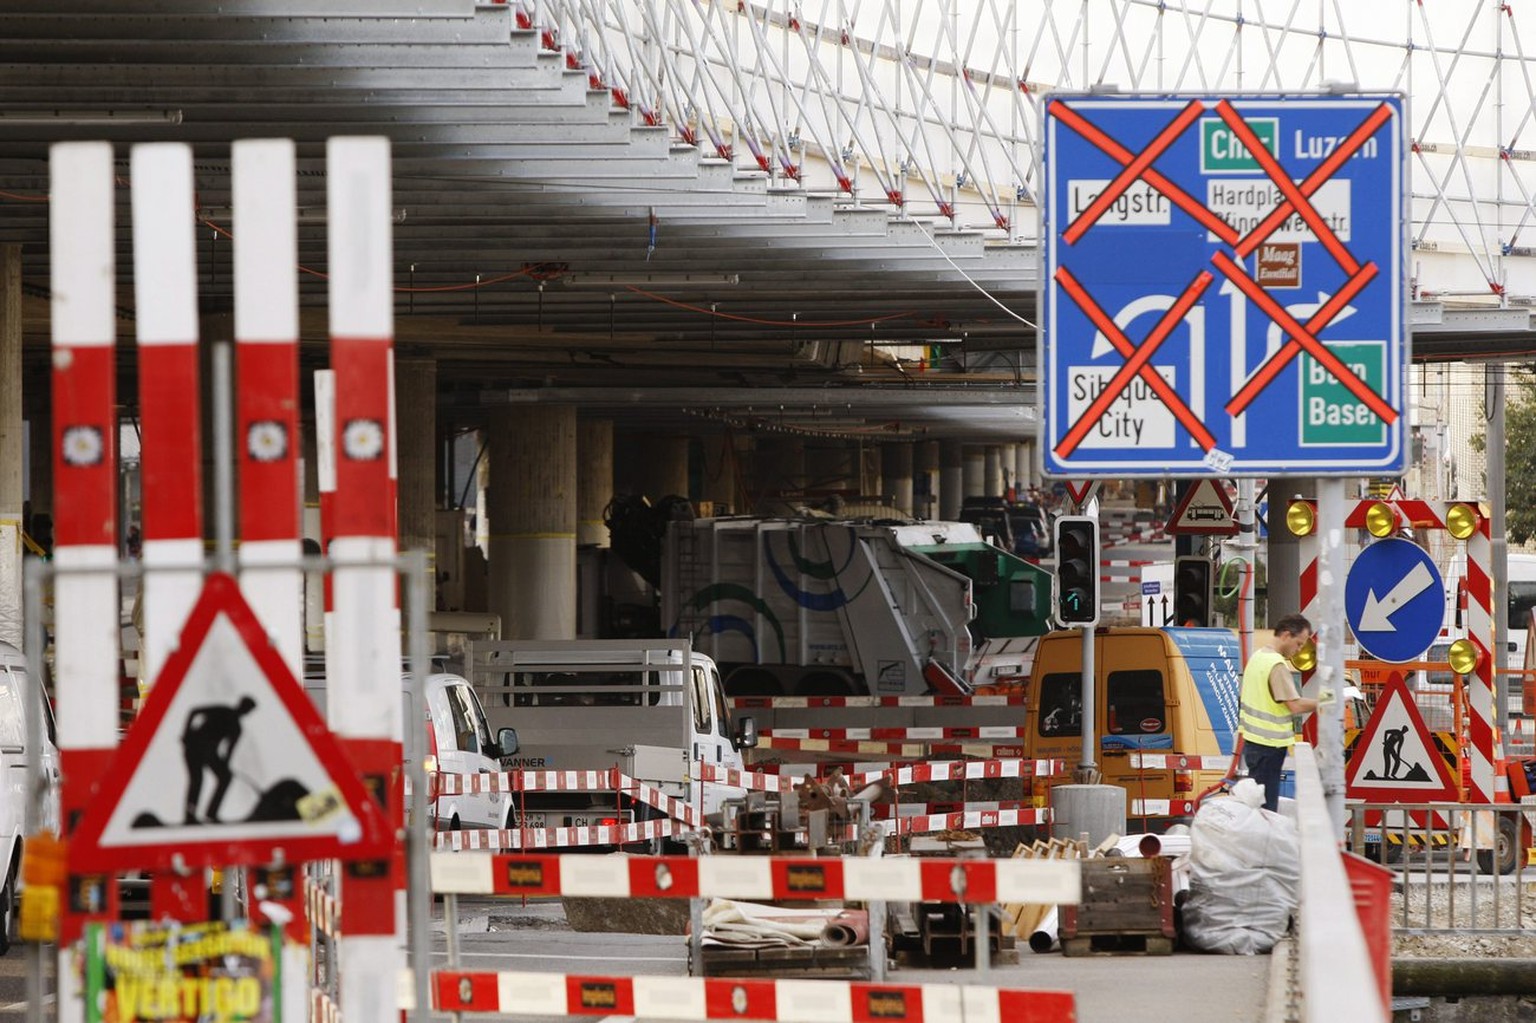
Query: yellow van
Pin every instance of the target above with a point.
(1166, 706)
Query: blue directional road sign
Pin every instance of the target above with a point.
(1394, 599)
(1223, 289)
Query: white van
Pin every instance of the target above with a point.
(459, 741)
(17, 687)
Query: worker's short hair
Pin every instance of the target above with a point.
(1293, 625)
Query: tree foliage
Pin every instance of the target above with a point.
(1519, 454)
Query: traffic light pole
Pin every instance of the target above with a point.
(1087, 767)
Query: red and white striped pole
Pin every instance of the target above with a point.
(165, 299)
(267, 364)
(165, 302)
(364, 690)
(1310, 550)
(267, 428)
(1480, 688)
(86, 614)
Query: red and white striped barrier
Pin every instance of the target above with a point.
(827, 702)
(492, 839)
(980, 748)
(1162, 807)
(83, 325)
(885, 811)
(267, 398)
(363, 639)
(1178, 762)
(856, 878)
(706, 998)
(165, 290)
(1482, 779)
(569, 781)
(903, 734)
(779, 777)
(968, 820)
(322, 908)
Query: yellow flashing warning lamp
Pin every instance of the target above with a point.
(1305, 659)
(1382, 520)
(1462, 521)
(1301, 518)
(1463, 656)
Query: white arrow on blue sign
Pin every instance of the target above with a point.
(1394, 599)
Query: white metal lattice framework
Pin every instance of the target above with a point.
(931, 106)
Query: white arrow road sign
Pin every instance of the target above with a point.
(1377, 616)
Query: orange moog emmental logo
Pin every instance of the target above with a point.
(886, 1004)
(525, 874)
(806, 879)
(599, 996)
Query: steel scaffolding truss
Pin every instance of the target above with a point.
(932, 106)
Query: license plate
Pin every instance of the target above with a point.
(539, 821)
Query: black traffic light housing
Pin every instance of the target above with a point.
(1193, 596)
(1077, 570)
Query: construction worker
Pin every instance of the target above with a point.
(1269, 702)
(208, 744)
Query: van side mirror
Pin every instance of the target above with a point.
(506, 741)
(746, 733)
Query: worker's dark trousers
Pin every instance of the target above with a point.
(1264, 765)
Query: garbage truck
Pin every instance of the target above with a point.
(813, 607)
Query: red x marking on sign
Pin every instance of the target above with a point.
(1296, 202)
(1134, 365)
(1123, 345)
(1115, 151)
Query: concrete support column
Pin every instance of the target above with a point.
(871, 477)
(594, 479)
(1284, 551)
(532, 508)
(896, 474)
(416, 430)
(721, 459)
(973, 468)
(992, 470)
(951, 479)
(925, 479)
(12, 484)
(1024, 466)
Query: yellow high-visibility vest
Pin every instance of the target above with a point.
(1264, 719)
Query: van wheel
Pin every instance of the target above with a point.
(455, 824)
(8, 906)
(510, 821)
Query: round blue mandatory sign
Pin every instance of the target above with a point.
(1394, 599)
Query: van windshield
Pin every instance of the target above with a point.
(1522, 599)
(1061, 704)
(1134, 703)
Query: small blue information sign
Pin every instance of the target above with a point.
(1223, 285)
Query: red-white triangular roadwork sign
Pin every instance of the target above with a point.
(1395, 759)
(1081, 491)
(229, 763)
(1205, 510)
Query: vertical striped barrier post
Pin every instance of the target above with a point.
(84, 327)
(364, 692)
(1480, 687)
(267, 444)
(1310, 552)
(165, 300)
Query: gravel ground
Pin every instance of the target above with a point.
(1505, 905)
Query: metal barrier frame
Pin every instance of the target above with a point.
(1466, 830)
